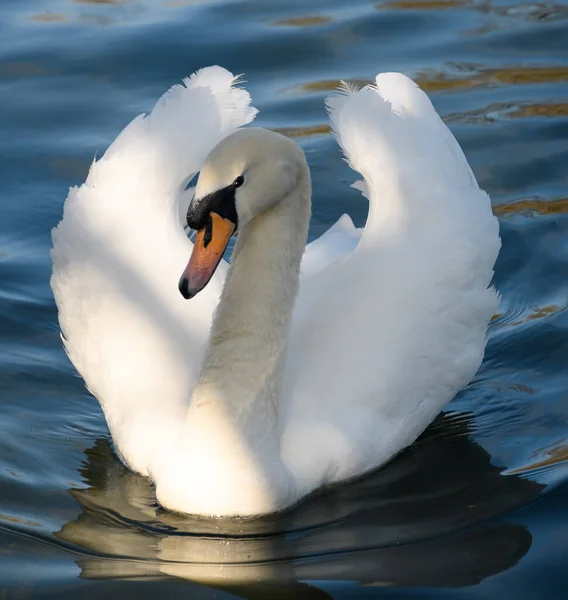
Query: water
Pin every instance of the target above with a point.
(477, 508)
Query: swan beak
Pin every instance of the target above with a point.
(210, 244)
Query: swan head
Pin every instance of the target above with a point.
(247, 173)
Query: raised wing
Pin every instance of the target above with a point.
(384, 337)
(118, 254)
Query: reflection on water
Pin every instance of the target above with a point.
(458, 77)
(532, 206)
(48, 18)
(431, 508)
(297, 132)
(468, 76)
(304, 21)
(454, 511)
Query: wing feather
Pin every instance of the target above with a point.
(385, 336)
(118, 253)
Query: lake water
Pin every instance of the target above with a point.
(478, 507)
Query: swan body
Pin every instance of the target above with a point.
(295, 366)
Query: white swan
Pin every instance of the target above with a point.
(286, 396)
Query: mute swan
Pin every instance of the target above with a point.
(282, 397)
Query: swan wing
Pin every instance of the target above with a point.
(339, 240)
(119, 251)
(384, 335)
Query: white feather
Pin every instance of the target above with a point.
(119, 251)
(388, 326)
(384, 338)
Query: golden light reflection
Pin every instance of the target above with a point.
(296, 132)
(85, 18)
(537, 312)
(520, 75)
(19, 521)
(421, 5)
(504, 111)
(48, 18)
(304, 21)
(552, 456)
(541, 110)
(99, 1)
(532, 205)
(542, 312)
(437, 82)
(465, 78)
(541, 11)
(180, 3)
(325, 85)
(434, 81)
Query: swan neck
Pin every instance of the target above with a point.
(244, 361)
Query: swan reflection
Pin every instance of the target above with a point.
(424, 520)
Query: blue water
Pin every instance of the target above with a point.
(478, 507)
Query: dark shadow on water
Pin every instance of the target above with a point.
(433, 517)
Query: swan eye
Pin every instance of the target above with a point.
(238, 181)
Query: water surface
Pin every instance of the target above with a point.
(478, 507)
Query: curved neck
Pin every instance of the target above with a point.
(244, 362)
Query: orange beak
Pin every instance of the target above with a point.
(210, 244)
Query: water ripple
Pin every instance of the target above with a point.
(460, 508)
